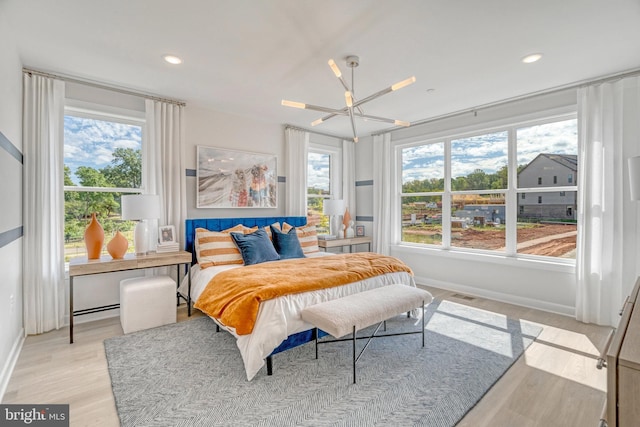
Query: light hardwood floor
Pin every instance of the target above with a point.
(555, 383)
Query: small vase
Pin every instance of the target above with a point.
(94, 238)
(346, 219)
(117, 247)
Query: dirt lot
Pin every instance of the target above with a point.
(535, 239)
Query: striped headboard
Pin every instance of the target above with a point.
(219, 224)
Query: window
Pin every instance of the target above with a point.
(549, 227)
(570, 178)
(102, 161)
(323, 182)
(456, 191)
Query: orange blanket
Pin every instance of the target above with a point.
(234, 296)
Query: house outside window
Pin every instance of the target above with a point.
(456, 192)
(102, 162)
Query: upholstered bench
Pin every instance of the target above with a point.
(346, 315)
(147, 302)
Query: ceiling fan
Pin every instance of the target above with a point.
(353, 106)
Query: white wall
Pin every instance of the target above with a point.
(216, 129)
(11, 326)
(528, 283)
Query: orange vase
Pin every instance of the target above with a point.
(117, 247)
(94, 238)
(345, 220)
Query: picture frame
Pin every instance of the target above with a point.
(236, 179)
(359, 230)
(166, 234)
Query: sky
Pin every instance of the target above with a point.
(318, 171)
(488, 152)
(90, 142)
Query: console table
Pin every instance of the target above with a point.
(83, 267)
(337, 243)
(621, 357)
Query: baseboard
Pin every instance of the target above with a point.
(499, 296)
(10, 364)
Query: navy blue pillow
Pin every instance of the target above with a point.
(255, 247)
(287, 244)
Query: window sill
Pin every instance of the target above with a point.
(530, 262)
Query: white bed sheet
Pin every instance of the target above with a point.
(280, 317)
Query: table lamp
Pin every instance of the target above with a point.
(141, 207)
(334, 208)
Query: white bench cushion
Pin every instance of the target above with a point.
(339, 316)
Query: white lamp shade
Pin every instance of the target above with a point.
(140, 206)
(333, 207)
(634, 177)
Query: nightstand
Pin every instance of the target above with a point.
(337, 243)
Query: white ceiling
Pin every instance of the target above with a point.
(243, 57)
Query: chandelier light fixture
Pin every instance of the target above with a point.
(352, 106)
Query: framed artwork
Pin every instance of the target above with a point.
(359, 230)
(166, 234)
(236, 179)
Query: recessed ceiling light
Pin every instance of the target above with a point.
(531, 58)
(171, 59)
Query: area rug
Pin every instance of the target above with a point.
(186, 374)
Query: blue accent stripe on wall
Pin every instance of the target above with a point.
(191, 172)
(10, 148)
(364, 218)
(363, 183)
(7, 237)
(282, 179)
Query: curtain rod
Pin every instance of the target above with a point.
(576, 85)
(313, 131)
(101, 86)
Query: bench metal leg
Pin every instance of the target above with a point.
(315, 336)
(423, 323)
(354, 354)
(269, 366)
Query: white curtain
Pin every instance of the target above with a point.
(382, 193)
(349, 177)
(43, 204)
(164, 165)
(297, 142)
(609, 117)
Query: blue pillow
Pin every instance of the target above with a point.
(255, 247)
(287, 244)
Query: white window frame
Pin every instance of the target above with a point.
(111, 114)
(335, 169)
(511, 193)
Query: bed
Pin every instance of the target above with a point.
(278, 325)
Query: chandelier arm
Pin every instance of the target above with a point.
(384, 119)
(385, 91)
(353, 125)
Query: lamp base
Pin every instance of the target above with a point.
(335, 227)
(141, 238)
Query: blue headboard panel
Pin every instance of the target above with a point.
(219, 224)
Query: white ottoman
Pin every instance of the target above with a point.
(147, 302)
